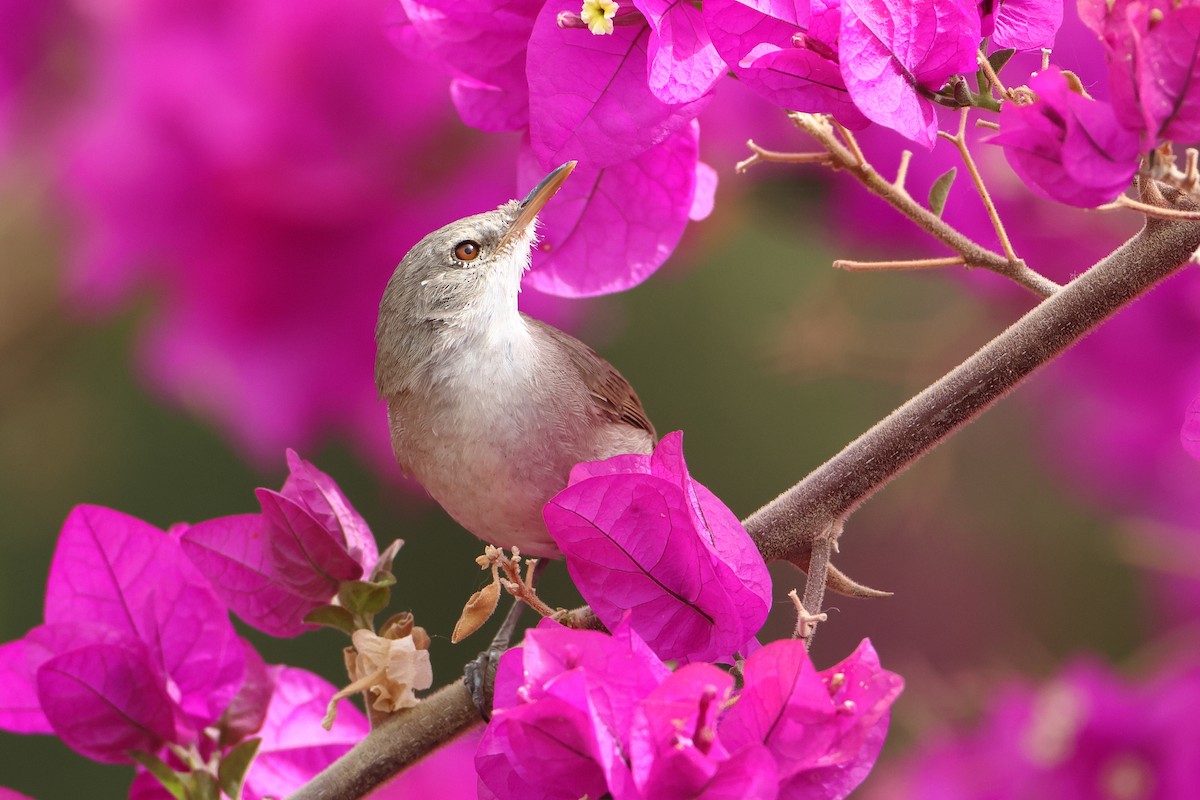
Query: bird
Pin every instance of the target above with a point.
(488, 408)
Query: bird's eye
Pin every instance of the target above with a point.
(466, 251)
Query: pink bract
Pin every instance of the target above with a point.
(759, 42)
(641, 537)
(588, 95)
(1084, 733)
(1023, 24)
(581, 712)
(823, 729)
(1067, 147)
(609, 229)
(273, 568)
(891, 49)
(127, 617)
(683, 64)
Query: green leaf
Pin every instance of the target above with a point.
(332, 617)
(203, 786)
(171, 780)
(384, 565)
(234, 766)
(941, 190)
(999, 58)
(366, 597)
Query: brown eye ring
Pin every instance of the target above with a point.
(467, 250)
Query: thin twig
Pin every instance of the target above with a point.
(851, 142)
(902, 170)
(1148, 209)
(1191, 172)
(916, 263)
(762, 155)
(987, 123)
(522, 588)
(959, 139)
(974, 255)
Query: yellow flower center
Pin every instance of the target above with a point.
(598, 14)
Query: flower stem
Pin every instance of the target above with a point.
(960, 142)
(974, 255)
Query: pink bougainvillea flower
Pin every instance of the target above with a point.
(9, 794)
(1153, 53)
(1085, 734)
(1067, 147)
(637, 203)
(675, 752)
(641, 537)
(785, 51)
(682, 64)
(20, 45)
(259, 168)
(892, 51)
(580, 712)
(823, 729)
(622, 105)
(1021, 24)
(136, 650)
(564, 704)
(294, 747)
(482, 43)
(273, 568)
(588, 95)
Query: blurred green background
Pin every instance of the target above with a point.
(748, 341)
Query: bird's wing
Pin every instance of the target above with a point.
(614, 397)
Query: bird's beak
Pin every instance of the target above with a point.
(527, 209)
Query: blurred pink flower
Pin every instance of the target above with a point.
(447, 773)
(25, 41)
(1152, 64)
(259, 167)
(1086, 734)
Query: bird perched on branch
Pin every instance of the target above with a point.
(488, 408)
